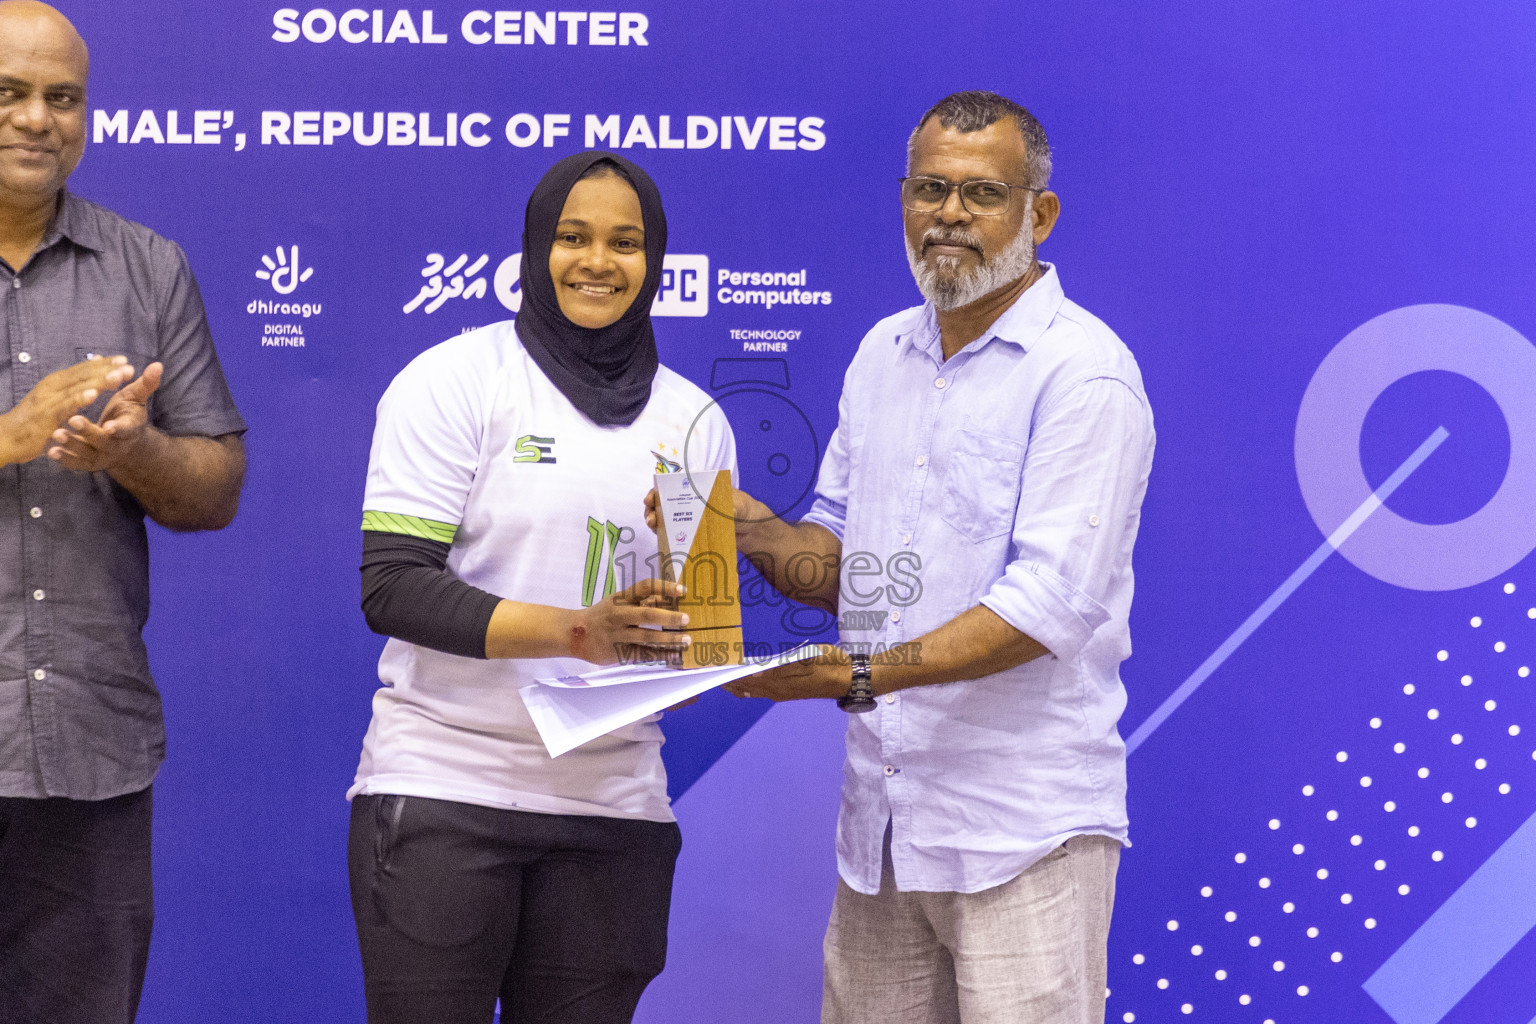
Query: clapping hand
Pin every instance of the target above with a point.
(26, 429)
(88, 447)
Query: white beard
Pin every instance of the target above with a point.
(941, 281)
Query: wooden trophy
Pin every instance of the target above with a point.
(696, 533)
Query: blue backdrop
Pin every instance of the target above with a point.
(1333, 784)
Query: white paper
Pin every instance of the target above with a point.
(614, 675)
(571, 710)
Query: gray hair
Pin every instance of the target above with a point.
(974, 110)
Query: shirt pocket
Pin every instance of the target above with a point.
(981, 487)
(137, 360)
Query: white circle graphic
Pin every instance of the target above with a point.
(1372, 357)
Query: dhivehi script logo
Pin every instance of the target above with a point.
(458, 279)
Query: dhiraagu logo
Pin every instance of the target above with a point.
(284, 274)
(531, 448)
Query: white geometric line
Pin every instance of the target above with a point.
(1335, 540)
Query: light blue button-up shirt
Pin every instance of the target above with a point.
(1011, 476)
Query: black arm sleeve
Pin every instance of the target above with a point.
(409, 593)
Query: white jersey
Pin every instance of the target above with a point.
(476, 447)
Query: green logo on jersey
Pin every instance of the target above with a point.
(531, 448)
(597, 533)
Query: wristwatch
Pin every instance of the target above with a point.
(859, 698)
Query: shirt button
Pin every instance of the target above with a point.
(23, 357)
(38, 595)
(37, 513)
(896, 616)
(38, 673)
(906, 538)
(890, 769)
(1093, 520)
(15, 282)
(922, 460)
(890, 698)
(939, 383)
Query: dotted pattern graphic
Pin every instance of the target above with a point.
(1335, 874)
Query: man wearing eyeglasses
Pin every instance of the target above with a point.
(998, 439)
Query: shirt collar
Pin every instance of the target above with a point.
(75, 222)
(1021, 324)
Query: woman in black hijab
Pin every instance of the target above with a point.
(504, 532)
(605, 369)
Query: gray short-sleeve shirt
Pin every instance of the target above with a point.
(79, 713)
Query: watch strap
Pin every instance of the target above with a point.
(860, 696)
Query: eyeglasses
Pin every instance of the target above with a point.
(982, 198)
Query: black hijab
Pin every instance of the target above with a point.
(606, 372)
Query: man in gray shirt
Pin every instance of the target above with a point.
(86, 452)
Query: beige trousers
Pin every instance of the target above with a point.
(1029, 951)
